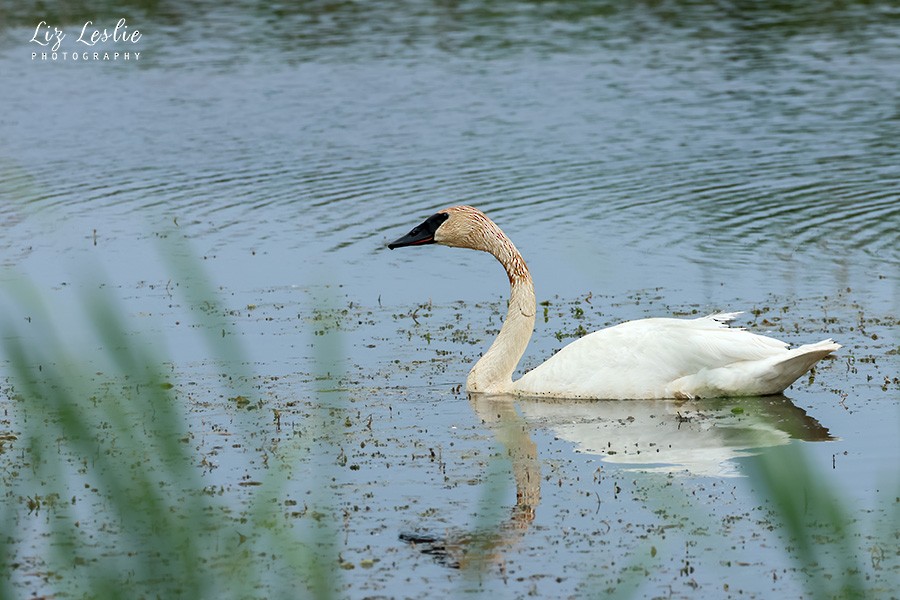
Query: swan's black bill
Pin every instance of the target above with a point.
(421, 234)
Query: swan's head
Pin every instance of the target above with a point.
(457, 226)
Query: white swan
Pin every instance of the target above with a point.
(643, 359)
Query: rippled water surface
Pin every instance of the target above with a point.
(646, 158)
(678, 145)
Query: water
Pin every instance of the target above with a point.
(664, 157)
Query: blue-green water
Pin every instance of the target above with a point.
(661, 156)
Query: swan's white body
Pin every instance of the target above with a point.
(672, 358)
(643, 359)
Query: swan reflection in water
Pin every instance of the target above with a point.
(694, 437)
(691, 438)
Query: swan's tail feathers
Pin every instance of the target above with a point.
(770, 375)
(827, 346)
(798, 361)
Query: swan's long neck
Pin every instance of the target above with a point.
(493, 372)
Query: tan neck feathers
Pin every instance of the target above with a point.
(483, 234)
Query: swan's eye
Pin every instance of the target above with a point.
(435, 221)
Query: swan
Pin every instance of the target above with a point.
(651, 358)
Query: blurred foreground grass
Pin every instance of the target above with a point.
(105, 472)
(832, 544)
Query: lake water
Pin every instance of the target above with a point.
(648, 158)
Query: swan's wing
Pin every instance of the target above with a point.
(688, 345)
(638, 359)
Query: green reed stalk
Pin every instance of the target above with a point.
(815, 523)
(102, 469)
